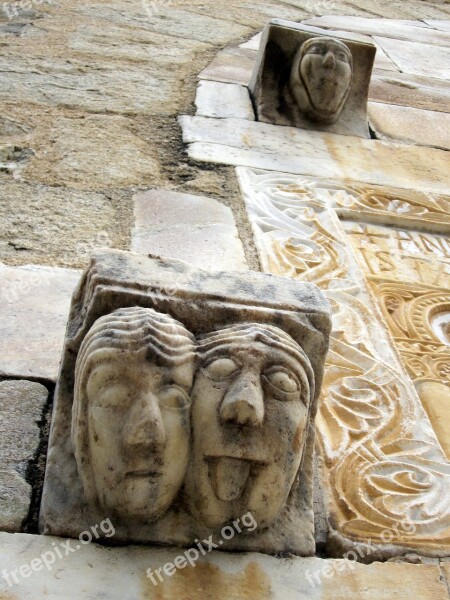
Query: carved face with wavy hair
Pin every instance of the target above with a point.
(321, 78)
(131, 412)
(251, 403)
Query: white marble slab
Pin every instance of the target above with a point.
(206, 227)
(223, 100)
(418, 59)
(253, 43)
(259, 145)
(442, 25)
(56, 568)
(35, 304)
(410, 125)
(390, 28)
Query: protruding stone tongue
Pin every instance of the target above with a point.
(229, 477)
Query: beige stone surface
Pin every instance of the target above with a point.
(21, 409)
(196, 229)
(259, 145)
(35, 304)
(53, 225)
(410, 90)
(126, 162)
(91, 571)
(410, 125)
(418, 59)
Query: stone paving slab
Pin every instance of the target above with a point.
(234, 65)
(91, 572)
(259, 145)
(410, 125)
(21, 407)
(35, 305)
(223, 100)
(196, 229)
(409, 90)
(418, 59)
(399, 30)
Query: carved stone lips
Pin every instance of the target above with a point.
(147, 473)
(229, 476)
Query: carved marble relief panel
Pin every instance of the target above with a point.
(381, 460)
(186, 400)
(409, 276)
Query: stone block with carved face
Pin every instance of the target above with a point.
(307, 77)
(186, 400)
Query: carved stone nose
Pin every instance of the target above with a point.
(145, 426)
(243, 404)
(329, 60)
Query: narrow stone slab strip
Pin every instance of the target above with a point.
(410, 125)
(21, 407)
(139, 573)
(259, 145)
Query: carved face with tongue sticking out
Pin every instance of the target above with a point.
(251, 400)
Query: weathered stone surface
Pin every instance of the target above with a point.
(409, 90)
(79, 154)
(206, 227)
(260, 145)
(93, 571)
(223, 100)
(410, 125)
(21, 407)
(37, 224)
(35, 304)
(418, 59)
(259, 345)
(303, 77)
(389, 28)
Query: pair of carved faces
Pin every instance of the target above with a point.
(321, 78)
(144, 423)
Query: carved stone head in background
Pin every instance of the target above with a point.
(321, 78)
(131, 412)
(251, 401)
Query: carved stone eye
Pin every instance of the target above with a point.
(222, 368)
(173, 397)
(316, 50)
(282, 380)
